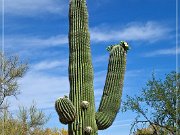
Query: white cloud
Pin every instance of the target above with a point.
(149, 31)
(29, 42)
(42, 88)
(122, 121)
(133, 73)
(169, 51)
(34, 7)
(49, 64)
(121, 125)
(134, 32)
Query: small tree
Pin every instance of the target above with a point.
(11, 69)
(157, 105)
(29, 121)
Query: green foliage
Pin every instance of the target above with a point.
(145, 131)
(152, 130)
(157, 104)
(29, 121)
(33, 117)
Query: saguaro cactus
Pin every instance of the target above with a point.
(79, 110)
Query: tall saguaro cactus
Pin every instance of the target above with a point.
(78, 111)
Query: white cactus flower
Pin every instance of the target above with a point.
(126, 44)
(88, 130)
(84, 104)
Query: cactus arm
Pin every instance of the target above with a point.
(110, 101)
(65, 110)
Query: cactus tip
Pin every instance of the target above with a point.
(109, 48)
(125, 45)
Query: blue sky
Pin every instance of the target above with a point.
(37, 31)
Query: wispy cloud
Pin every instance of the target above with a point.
(169, 51)
(120, 125)
(122, 121)
(34, 7)
(42, 88)
(19, 41)
(134, 73)
(150, 31)
(49, 64)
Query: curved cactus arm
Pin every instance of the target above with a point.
(65, 110)
(111, 99)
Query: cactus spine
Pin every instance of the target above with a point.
(79, 110)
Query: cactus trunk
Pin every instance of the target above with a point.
(79, 110)
(80, 69)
